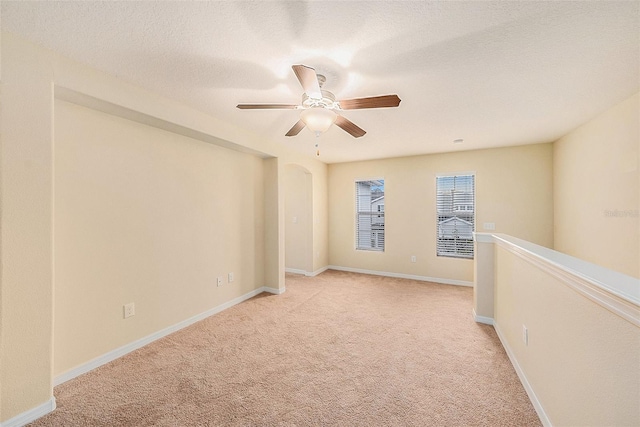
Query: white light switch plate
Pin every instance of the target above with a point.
(129, 310)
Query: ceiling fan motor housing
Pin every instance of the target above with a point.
(328, 100)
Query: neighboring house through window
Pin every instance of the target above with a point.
(455, 204)
(370, 215)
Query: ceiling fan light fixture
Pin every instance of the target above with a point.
(318, 119)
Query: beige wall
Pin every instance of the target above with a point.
(274, 225)
(483, 280)
(29, 75)
(581, 360)
(513, 190)
(597, 190)
(150, 217)
(320, 219)
(298, 219)
(26, 266)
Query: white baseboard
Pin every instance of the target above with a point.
(307, 273)
(403, 276)
(119, 352)
(295, 271)
(276, 291)
(318, 271)
(31, 415)
(523, 379)
(482, 319)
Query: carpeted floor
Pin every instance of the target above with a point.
(339, 349)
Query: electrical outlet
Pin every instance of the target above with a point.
(413, 258)
(525, 335)
(219, 280)
(129, 310)
(230, 277)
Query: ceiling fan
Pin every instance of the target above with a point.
(320, 108)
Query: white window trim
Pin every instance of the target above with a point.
(475, 207)
(355, 216)
(444, 174)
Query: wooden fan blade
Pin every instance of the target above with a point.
(349, 127)
(266, 106)
(371, 102)
(296, 128)
(309, 80)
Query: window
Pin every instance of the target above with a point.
(455, 203)
(370, 215)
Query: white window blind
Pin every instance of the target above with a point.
(370, 215)
(455, 201)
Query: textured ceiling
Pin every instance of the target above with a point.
(493, 73)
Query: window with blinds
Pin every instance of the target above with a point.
(455, 202)
(370, 215)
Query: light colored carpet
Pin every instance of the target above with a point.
(340, 349)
